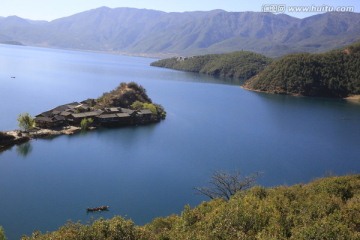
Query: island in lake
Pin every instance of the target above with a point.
(127, 105)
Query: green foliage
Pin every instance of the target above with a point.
(151, 107)
(160, 111)
(156, 109)
(86, 123)
(237, 65)
(136, 87)
(114, 229)
(25, 121)
(141, 105)
(327, 208)
(137, 105)
(332, 74)
(2, 234)
(313, 211)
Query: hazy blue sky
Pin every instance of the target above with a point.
(52, 9)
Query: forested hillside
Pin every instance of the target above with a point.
(327, 208)
(237, 65)
(332, 74)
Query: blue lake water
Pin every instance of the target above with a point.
(150, 171)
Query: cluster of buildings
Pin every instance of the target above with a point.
(73, 113)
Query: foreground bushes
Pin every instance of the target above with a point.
(327, 208)
(2, 234)
(116, 228)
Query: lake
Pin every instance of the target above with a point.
(149, 171)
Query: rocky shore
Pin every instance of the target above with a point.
(12, 138)
(18, 137)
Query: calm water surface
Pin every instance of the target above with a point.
(150, 171)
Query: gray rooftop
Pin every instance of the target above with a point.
(126, 110)
(65, 113)
(87, 114)
(112, 115)
(122, 115)
(67, 106)
(43, 119)
(145, 111)
(44, 114)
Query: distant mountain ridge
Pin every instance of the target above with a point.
(150, 32)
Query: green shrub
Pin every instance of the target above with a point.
(156, 109)
(113, 229)
(26, 122)
(2, 234)
(86, 123)
(137, 105)
(151, 107)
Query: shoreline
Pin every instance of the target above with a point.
(350, 98)
(110, 52)
(353, 98)
(21, 137)
(273, 92)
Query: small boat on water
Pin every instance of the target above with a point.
(98, 209)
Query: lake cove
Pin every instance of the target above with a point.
(149, 171)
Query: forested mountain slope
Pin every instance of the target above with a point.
(237, 65)
(332, 74)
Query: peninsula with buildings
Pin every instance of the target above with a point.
(127, 105)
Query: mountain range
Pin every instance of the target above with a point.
(156, 33)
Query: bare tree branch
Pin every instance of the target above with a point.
(224, 185)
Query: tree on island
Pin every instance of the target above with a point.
(137, 105)
(224, 185)
(26, 121)
(85, 123)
